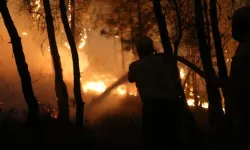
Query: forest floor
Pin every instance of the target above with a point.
(115, 131)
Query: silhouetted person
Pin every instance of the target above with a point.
(155, 80)
(239, 79)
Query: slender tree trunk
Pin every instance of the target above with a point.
(189, 121)
(214, 97)
(22, 67)
(132, 29)
(207, 24)
(60, 86)
(162, 28)
(196, 99)
(218, 48)
(229, 123)
(140, 21)
(166, 41)
(122, 44)
(76, 67)
(179, 27)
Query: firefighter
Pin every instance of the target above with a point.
(155, 80)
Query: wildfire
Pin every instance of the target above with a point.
(83, 39)
(97, 86)
(191, 103)
(36, 6)
(101, 82)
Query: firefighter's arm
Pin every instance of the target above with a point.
(130, 74)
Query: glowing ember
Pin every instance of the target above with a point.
(122, 90)
(190, 102)
(24, 33)
(66, 44)
(69, 9)
(36, 6)
(54, 113)
(83, 42)
(204, 105)
(182, 74)
(83, 39)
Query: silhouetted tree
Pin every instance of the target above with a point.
(22, 66)
(77, 10)
(76, 68)
(214, 97)
(218, 48)
(60, 86)
(168, 51)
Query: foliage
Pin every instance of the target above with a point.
(35, 11)
(120, 18)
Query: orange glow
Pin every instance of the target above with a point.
(99, 83)
(182, 73)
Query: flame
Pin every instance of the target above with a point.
(97, 86)
(182, 73)
(69, 9)
(122, 90)
(204, 105)
(101, 82)
(83, 39)
(36, 6)
(24, 33)
(191, 103)
(66, 44)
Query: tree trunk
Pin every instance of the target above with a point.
(196, 100)
(223, 77)
(189, 121)
(22, 67)
(218, 48)
(140, 21)
(166, 41)
(207, 24)
(214, 97)
(60, 86)
(178, 28)
(162, 28)
(76, 67)
(132, 30)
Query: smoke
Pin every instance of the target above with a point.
(99, 56)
